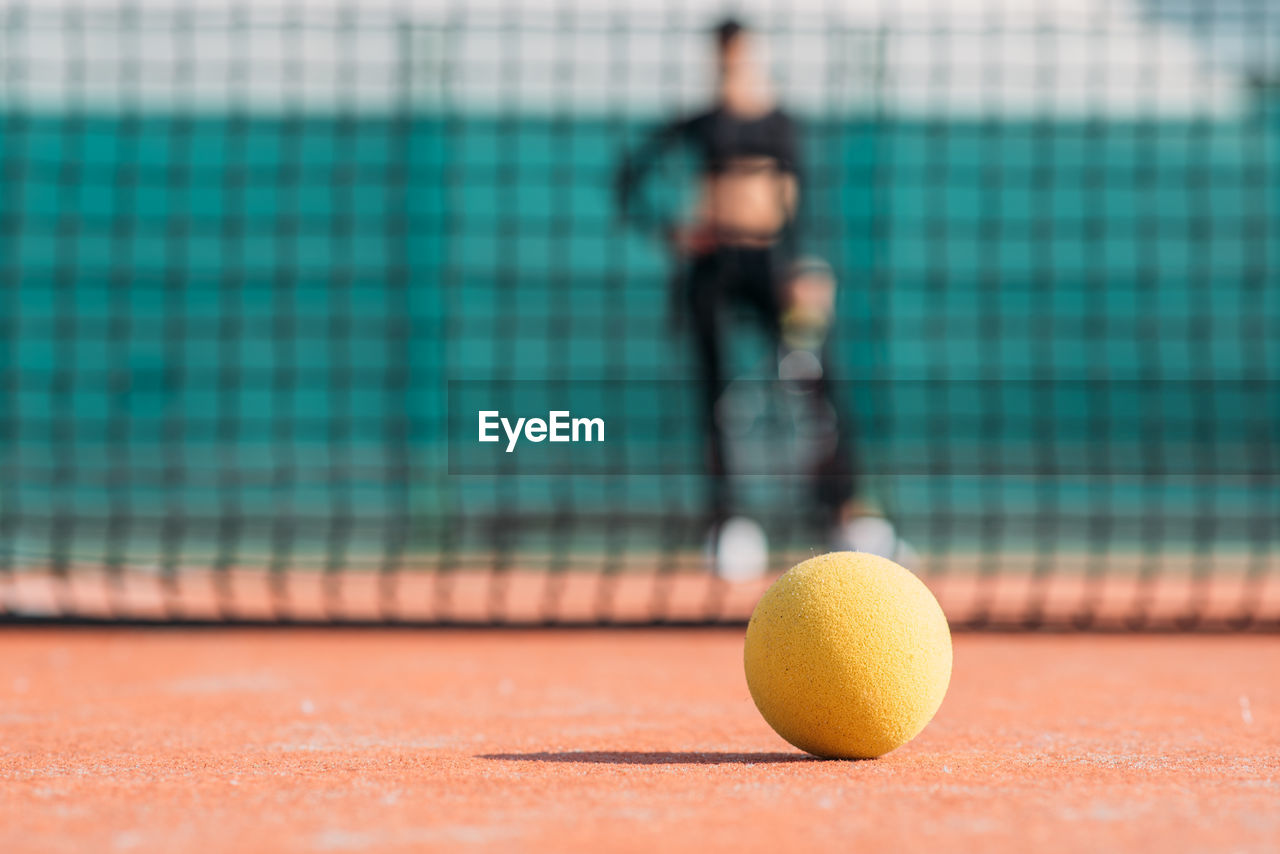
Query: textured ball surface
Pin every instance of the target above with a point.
(848, 655)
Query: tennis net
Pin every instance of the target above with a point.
(261, 267)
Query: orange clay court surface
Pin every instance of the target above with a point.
(642, 740)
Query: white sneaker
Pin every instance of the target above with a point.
(738, 549)
(874, 535)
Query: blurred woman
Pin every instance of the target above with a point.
(738, 253)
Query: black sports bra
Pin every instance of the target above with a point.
(729, 143)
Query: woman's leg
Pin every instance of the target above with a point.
(705, 293)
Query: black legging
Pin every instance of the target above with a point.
(750, 278)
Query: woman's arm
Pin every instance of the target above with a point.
(791, 180)
(632, 205)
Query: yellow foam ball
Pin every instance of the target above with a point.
(848, 655)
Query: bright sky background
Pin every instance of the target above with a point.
(951, 57)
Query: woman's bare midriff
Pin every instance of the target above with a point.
(748, 203)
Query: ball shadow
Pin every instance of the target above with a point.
(642, 757)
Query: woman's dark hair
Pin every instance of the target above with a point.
(728, 30)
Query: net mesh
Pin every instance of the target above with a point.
(251, 258)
